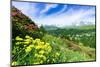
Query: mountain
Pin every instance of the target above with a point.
(50, 27)
(21, 24)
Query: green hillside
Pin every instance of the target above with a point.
(33, 45)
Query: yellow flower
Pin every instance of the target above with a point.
(14, 63)
(57, 54)
(37, 40)
(42, 43)
(47, 44)
(34, 41)
(31, 46)
(41, 52)
(17, 43)
(28, 49)
(39, 43)
(27, 36)
(26, 42)
(44, 58)
(36, 54)
(48, 48)
(31, 38)
(40, 55)
(18, 38)
(38, 46)
(41, 61)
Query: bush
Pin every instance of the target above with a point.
(30, 51)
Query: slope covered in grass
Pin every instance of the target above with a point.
(49, 49)
(64, 45)
(36, 45)
(80, 34)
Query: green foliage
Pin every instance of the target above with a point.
(48, 50)
(42, 29)
(83, 35)
(69, 55)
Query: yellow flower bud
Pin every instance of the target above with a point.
(41, 61)
(41, 52)
(28, 49)
(44, 58)
(42, 43)
(31, 46)
(26, 42)
(17, 43)
(14, 63)
(27, 36)
(57, 54)
(47, 44)
(36, 54)
(18, 38)
(38, 47)
(37, 40)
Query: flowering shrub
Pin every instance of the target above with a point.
(49, 49)
(30, 51)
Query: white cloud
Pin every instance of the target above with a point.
(68, 18)
(59, 18)
(60, 12)
(64, 8)
(48, 7)
(26, 8)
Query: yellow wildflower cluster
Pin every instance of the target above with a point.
(36, 46)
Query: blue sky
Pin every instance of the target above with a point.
(57, 14)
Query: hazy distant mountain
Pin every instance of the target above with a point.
(50, 27)
(82, 23)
